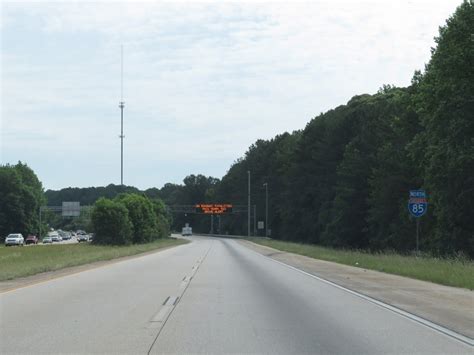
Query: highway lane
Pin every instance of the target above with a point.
(104, 310)
(209, 296)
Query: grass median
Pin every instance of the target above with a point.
(29, 260)
(457, 272)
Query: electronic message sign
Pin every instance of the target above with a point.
(213, 208)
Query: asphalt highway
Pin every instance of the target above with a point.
(209, 296)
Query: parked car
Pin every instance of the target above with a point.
(14, 239)
(54, 236)
(31, 239)
(65, 235)
(47, 240)
(83, 238)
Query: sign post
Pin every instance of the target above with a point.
(417, 206)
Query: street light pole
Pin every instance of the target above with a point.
(248, 205)
(266, 209)
(254, 220)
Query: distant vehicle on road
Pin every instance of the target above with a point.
(47, 240)
(186, 231)
(31, 239)
(14, 239)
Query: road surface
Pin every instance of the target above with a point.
(209, 296)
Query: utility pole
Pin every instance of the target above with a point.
(121, 105)
(254, 220)
(248, 205)
(39, 231)
(266, 209)
(212, 224)
(417, 237)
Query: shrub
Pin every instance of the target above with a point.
(111, 223)
(142, 217)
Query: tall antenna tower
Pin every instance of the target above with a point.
(121, 105)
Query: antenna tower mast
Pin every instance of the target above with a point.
(121, 105)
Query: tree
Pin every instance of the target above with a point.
(164, 218)
(22, 196)
(111, 223)
(395, 172)
(445, 102)
(142, 216)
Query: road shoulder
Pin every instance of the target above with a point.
(449, 307)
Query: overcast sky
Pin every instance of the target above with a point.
(202, 81)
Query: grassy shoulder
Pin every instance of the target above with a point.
(450, 272)
(25, 261)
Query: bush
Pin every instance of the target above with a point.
(111, 223)
(163, 226)
(164, 218)
(142, 216)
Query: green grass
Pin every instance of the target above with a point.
(451, 272)
(25, 261)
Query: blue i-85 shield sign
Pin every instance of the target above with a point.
(417, 203)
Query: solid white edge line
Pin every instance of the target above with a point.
(411, 316)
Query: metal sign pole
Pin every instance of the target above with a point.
(254, 220)
(417, 206)
(417, 236)
(39, 230)
(248, 206)
(212, 224)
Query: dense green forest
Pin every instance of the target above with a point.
(343, 180)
